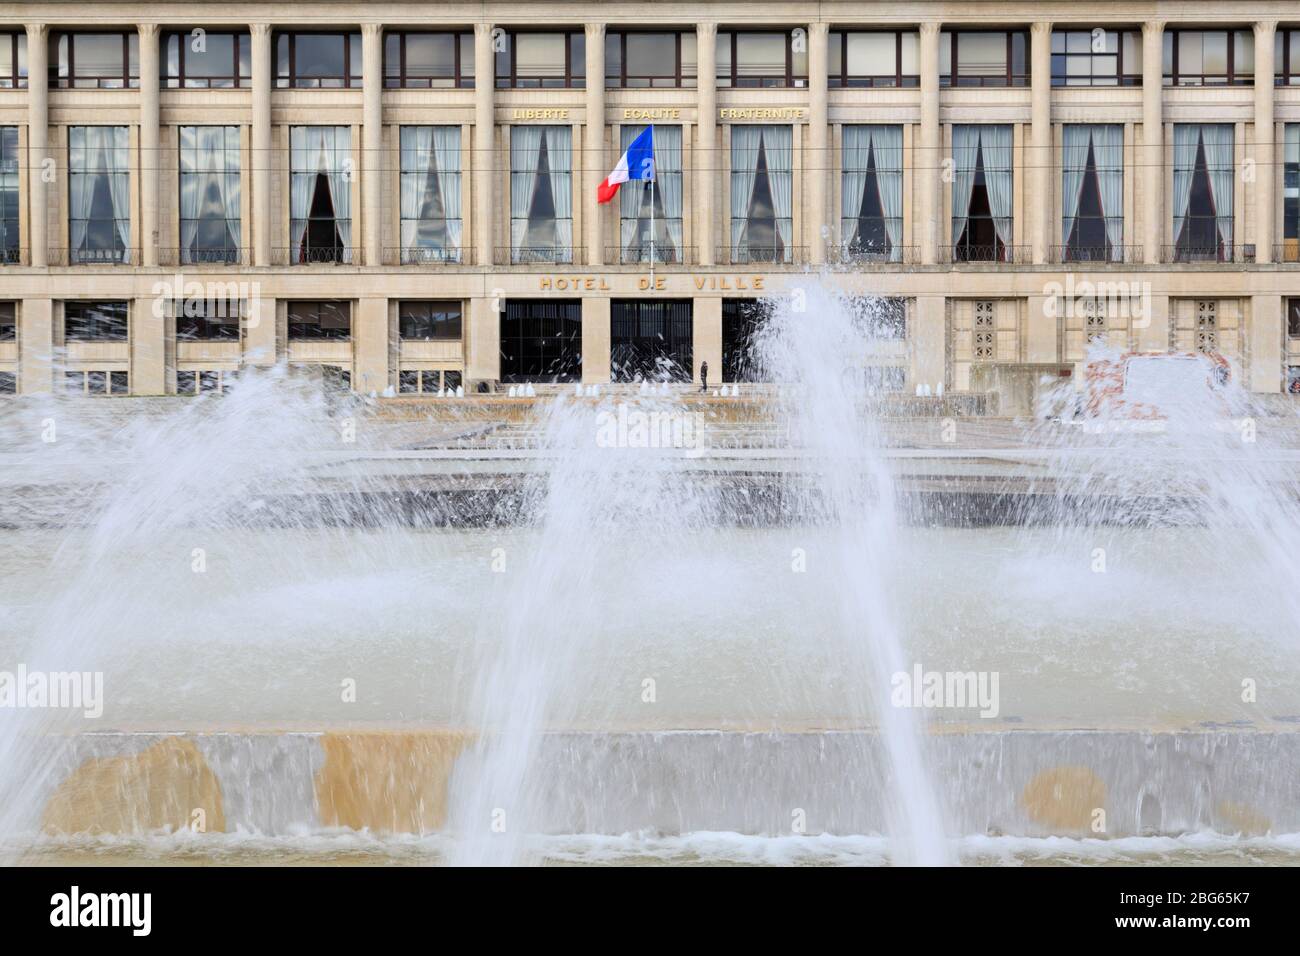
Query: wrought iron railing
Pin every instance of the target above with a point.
(538, 255)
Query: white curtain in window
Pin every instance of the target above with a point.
(417, 153)
(1074, 160)
(744, 170)
(209, 144)
(1108, 154)
(191, 186)
(81, 193)
(339, 140)
(1186, 136)
(446, 150)
(113, 140)
(995, 145)
(525, 149)
(887, 142)
(668, 173)
(559, 151)
(306, 149)
(778, 143)
(965, 157)
(853, 182)
(1219, 163)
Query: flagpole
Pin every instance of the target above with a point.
(653, 173)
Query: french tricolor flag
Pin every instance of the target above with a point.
(637, 164)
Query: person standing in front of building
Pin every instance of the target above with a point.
(704, 376)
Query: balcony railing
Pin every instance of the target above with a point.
(1223, 252)
(203, 257)
(997, 254)
(93, 257)
(664, 255)
(1095, 255)
(1287, 252)
(316, 255)
(538, 255)
(422, 256)
(876, 256)
(13, 257)
(767, 255)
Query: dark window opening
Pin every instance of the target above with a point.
(541, 340)
(1087, 241)
(8, 321)
(871, 238)
(741, 321)
(321, 241)
(1199, 237)
(320, 320)
(979, 241)
(651, 340)
(208, 320)
(429, 321)
(318, 60)
(207, 60)
(95, 321)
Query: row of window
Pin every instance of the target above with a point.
(645, 59)
(217, 320)
(761, 184)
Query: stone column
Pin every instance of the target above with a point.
(261, 156)
(372, 143)
(1265, 31)
(926, 162)
(484, 136)
(1152, 155)
(36, 336)
(595, 338)
(1039, 154)
(483, 363)
(148, 342)
(593, 143)
(706, 336)
(150, 157)
(818, 163)
(38, 132)
(1266, 337)
(370, 358)
(929, 359)
(707, 159)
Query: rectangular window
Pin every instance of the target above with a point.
(1209, 57)
(8, 383)
(99, 194)
(645, 60)
(429, 321)
(430, 201)
(94, 321)
(1286, 58)
(881, 59)
(13, 61)
(541, 340)
(202, 60)
(1293, 318)
(761, 194)
(207, 320)
(320, 320)
(1092, 193)
(984, 58)
(1096, 57)
(318, 60)
(651, 340)
(320, 197)
(95, 61)
(542, 61)
(982, 205)
(768, 59)
(1203, 191)
(741, 321)
(871, 204)
(8, 321)
(541, 194)
(9, 200)
(1291, 194)
(428, 61)
(209, 200)
(651, 212)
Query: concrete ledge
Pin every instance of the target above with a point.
(1019, 782)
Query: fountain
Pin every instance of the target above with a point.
(623, 624)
